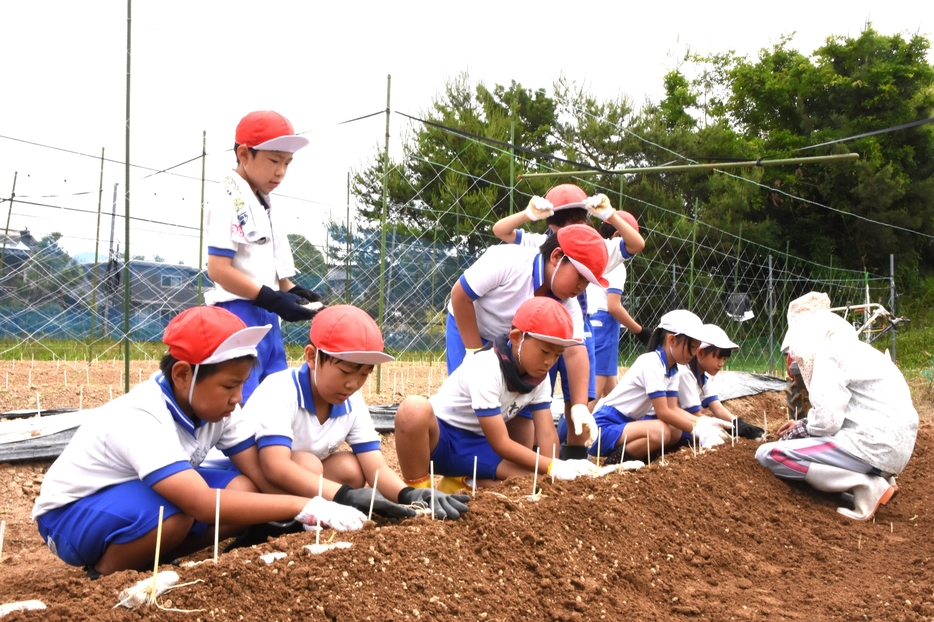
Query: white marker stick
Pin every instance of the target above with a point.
(694, 440)
(648, 450)
(431, 469)
(473, 492)
(155, 567)
(217, 521)
(373, 498)
(622, 456)
(535, 473)
(552, 459)
(661, 461)
(599, 438)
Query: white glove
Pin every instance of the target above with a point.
(539, 208)
(599, 205)
(571, 469)
(709, 432)
(333, 515)
(583, 421)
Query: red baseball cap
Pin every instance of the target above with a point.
(584, 248)
(266, 130)
(546, 319)
(205, 335)
(350, 334)
(566, 196)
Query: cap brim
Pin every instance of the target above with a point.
(578, 205)
(556, 340)
(289, 144)
(694, 332)
(590, 276)
(241, 343)
(362, 357)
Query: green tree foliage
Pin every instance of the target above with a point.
(48, 275)
(453, 185)
(308, 259)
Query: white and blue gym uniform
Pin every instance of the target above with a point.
(99, 490)
(603, 325)
(239, 225)
(695, 391)
(283, 410)
(477, 389)
(501, 279)
(650, 376)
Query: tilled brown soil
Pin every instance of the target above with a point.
(713, 536)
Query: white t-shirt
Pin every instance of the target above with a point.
(478, 389)
(140, 435)
(283, 410)
(501, 279)
(597, 296)
(650, 376)
(236, 225)
(694, 392)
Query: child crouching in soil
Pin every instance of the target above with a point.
(99, 502)
(304, 415)
(466, 419)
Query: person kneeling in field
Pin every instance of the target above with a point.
(466, 419)
(304, 415)
(694, 381)
(862, 426)
(99, 502)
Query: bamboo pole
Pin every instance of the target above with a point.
(204, 151)
(382, 229)
(97, 245)
(682, 168)
(126, 203)
(6, 232)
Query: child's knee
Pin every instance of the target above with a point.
(414, 413)
(242, 482)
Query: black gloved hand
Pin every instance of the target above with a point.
(307, 294)
(643, 336)
(360, 499)
(746, 430)
(286, 305)
(446, 506)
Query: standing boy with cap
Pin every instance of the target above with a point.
(249, 258)
(490, 291)
(305, 414)
(99, 502)
(466, 420)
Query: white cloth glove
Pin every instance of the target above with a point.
(710, 432)
(571, 469)
(599, 205)
(333, 515)
(539, 208)
(583, 421)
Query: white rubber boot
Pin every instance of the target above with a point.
(869, 491)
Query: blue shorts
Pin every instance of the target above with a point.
(270, 353)
(455, 451)
(454, 349)
(606, 329)
(81, 531)
(561, 368)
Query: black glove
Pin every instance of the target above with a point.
(286, 305)
(446, 506)
(360, 499)
(307, 294)
(643, 336)
(746, 430)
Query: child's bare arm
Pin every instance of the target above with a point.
(247, 462)
(719, 411)
(618, 311)
(222, 272)
(631, 238)
(494, 428)
(673, 415)
(283, 472)
(505, 228)
(465, 316)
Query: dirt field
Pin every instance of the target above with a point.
(713, 536)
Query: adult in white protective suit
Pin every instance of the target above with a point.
(862, 426)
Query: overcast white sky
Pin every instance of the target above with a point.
(200, 66)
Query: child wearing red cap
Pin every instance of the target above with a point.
(491, 290)
(99, 502)
(249, 258)
(305, 414)
(466, 420)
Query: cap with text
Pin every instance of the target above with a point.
(546, 319)
(265, 130)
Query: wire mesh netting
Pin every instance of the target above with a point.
(402, 271)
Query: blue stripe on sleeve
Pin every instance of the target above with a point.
(542, 406)
(487, 412)
(692, 409)
(160, 474)
(518, 236)
(268, 441)
(242, 445)
(652, 396)
(614, 290)
(362, 448)
(671, 393)
(712, 398)
(223, 252)
(622, 249)
(463, 281)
